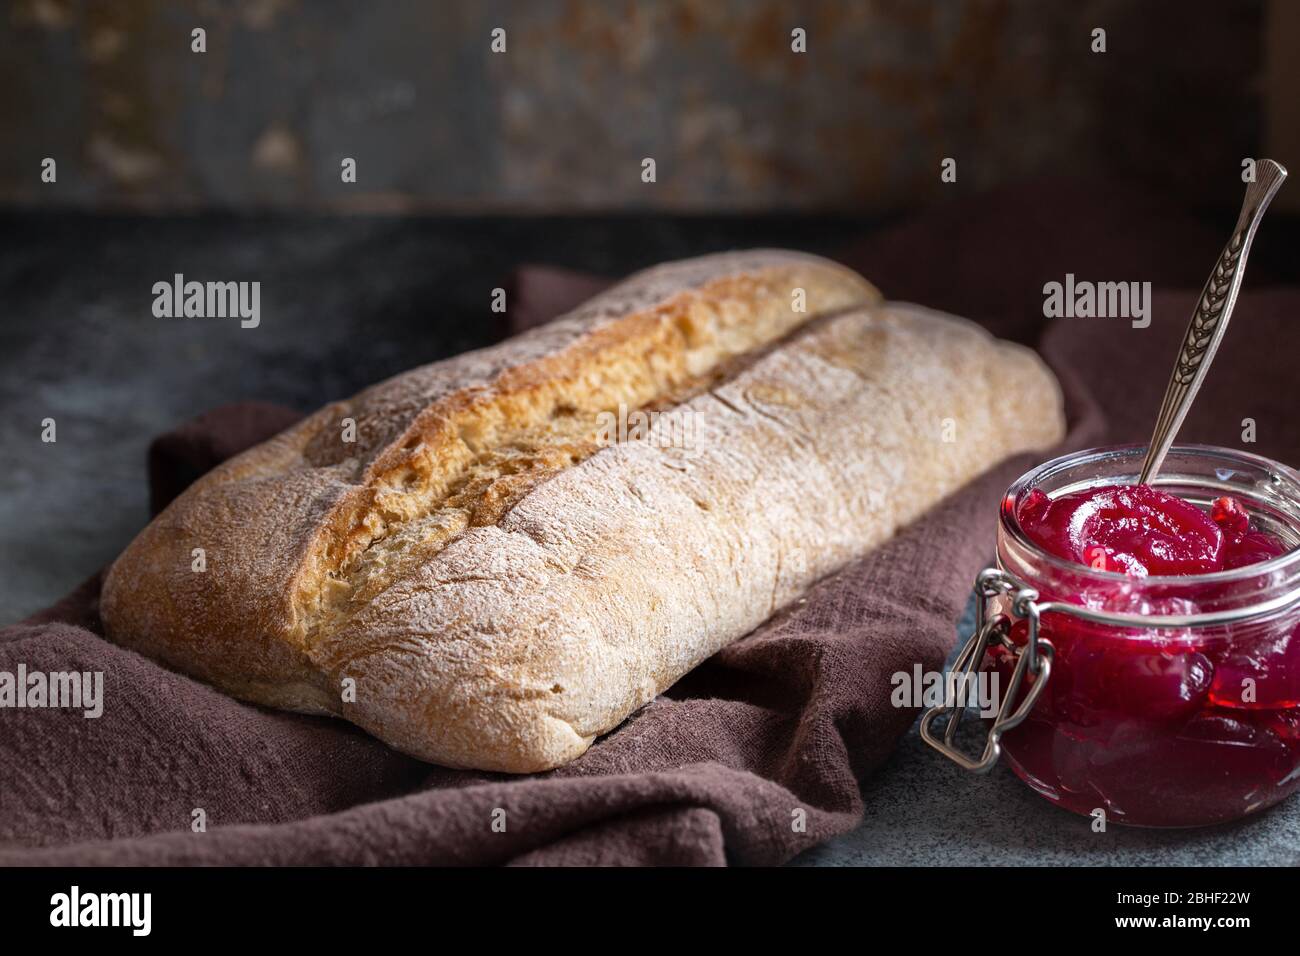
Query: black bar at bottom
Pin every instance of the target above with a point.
(333, 906)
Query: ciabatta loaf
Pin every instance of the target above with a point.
(489, 561)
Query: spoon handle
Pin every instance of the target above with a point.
(1210, 320)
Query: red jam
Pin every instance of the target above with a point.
(1168, 727)
(1140, 531)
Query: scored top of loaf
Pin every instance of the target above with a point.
(302, 531)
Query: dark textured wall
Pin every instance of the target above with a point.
(585, 91)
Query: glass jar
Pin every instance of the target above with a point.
(1165, 701)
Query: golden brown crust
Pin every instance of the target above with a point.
(497, 583)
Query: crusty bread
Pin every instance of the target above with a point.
(483, 577)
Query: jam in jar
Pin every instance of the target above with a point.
(1171, 615)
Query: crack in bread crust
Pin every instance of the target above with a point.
(467, 459)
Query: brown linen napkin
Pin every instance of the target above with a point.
(717, 769)
(776, 729)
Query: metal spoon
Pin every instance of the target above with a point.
(1210, 320)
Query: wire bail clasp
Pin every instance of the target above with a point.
(1034, 658)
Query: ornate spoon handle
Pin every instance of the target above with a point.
(1210, 320)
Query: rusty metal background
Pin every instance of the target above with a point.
(586, 90)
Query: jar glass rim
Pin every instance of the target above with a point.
(1010, 519)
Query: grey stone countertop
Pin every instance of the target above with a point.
(346, 302)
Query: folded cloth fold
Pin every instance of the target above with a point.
(755, 756)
